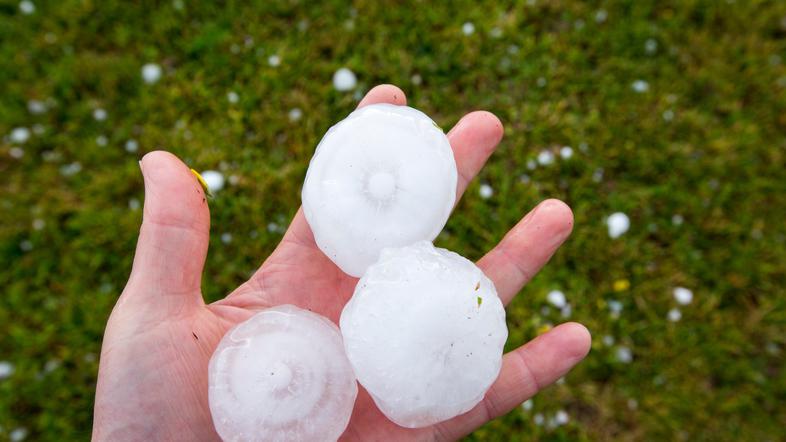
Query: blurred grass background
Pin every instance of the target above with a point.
(675, 114)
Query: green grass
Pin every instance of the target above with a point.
(555, 75)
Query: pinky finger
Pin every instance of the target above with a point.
(524, 372)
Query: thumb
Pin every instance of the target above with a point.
(173, 240)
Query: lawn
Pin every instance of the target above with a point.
(673, 113)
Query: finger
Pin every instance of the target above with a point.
(473, 140)
(172, 245)
(527, 247)
(524, 372)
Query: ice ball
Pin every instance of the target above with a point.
(383, 177)
(281, 375)
(424, 332)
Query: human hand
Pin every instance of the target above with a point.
(152, 381)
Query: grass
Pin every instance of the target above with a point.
(704, 143)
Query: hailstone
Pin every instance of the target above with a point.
(424, 332)
(383, 177)
(281, 375)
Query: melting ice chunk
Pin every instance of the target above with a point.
(383, 177)
(281, 375)
(424, 332)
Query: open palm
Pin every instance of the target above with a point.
(152, 382)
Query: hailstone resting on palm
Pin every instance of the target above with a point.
(424, 332)
(281, 375)
(383, 177)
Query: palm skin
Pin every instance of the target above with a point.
(152, 382)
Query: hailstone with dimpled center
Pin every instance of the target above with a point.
(424, 332)
(281, 375)
(383, 177)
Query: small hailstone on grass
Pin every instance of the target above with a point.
(640, 86)
(18, 434)
(16, 152)
(344, 80)
(538, 419)
(556, 298)
(20, 135)
(618, 223)
(601, 15)
(393, 169)
(468, 28)
(597, 175)
(615, 307)
(674, 315)
(6, 369)
(26, 245)
(99, 114)
(214, 180)
(677, 219)
(531, 164)
(527, 405)
(561, 417)
(295, 114)
(151, 73)
(38, 224)
(101, 140)
(424, 332)
(416, 79)
(566, 152)
(232, 97)
(485, 191)
(27, 7)
(566, 311)
(624, 355)
(36, 107)
(495, 32)
(608, 340)
(132, 146)
(281, 375)
(683, 296)
(71, 169)
(226, 238)
(651, 45)
(545, 157)
(540, 82)
(274, 60)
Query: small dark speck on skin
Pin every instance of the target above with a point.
(195, 336)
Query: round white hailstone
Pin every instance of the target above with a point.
(6, 369)
(618, 223)
(36, 107)
(527, 405)
(132, 146)
(151, 73)
(344, 80)
(608, 340)
(668, 115)
(18, 434)
(416, 79)
(561, 417)
(27, 7)
(486, 191)
(20, 135)
(651, 45)
(677, 219)
(468, 28)
(214, 180)
(281, 375)
(274, 60)
(226, 238)
(615, 307)
(566, 311)
(531, 164)
(556, 298)
(393, 170)
(566, 152)
(495, 32)
(233, 97)
(624, 355)
(640, 86)
(683, 296)
(424, 332)
(38, 224)
(101, 140)
(601, 15)
(16, 152)
(545, 157)
(134, 204)
(675, 315)
(295, 114)
(538, 419)
(99, 114)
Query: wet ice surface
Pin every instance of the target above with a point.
(383, 177)
(281, 375)
(424, 332)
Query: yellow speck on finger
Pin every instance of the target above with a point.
(202, 182)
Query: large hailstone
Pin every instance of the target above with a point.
(424, 332)
(383, 177)
(281, 375)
